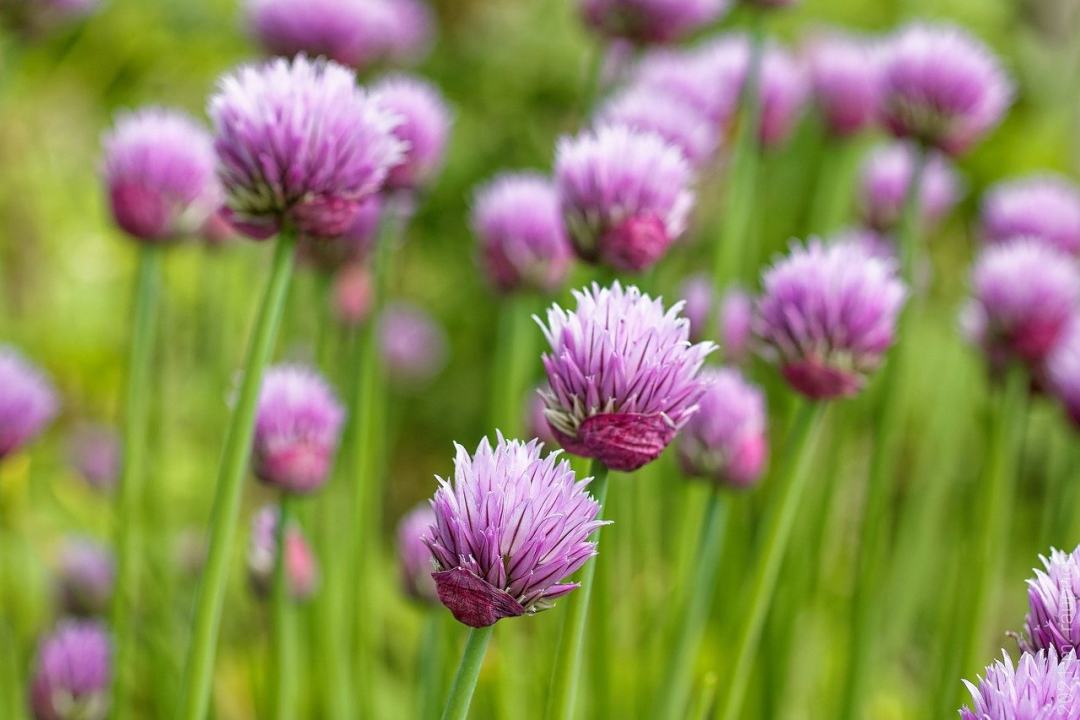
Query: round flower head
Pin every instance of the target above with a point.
(1053, 599)
(352, 294)
(625, 195)
(414, 557)
(1042, 686)
(159, 174)
(622, 375)
(698, 300)
(424, 126)
(725, 440)
(885, 178)
(736, 325)
(94, 452)
(345, 31)
(1063, 372)
(73, 673)
(523, 244)
(297, 427)
(784, 92)
(85, 577)
(696, 80)
(942, 87)
(536, 422)
(1045, 208)
(27, 401)
(297, 142)
(1024, 296)
(676, 121)
(301, 568)
(649, 21)
(413, 345)
(844, 76)
(508, 531)
(827, 315)
(408, 32)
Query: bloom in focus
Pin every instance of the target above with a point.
(301, 567)
(509, 529)
(94, 453)
(414, 557)
(523, 244)
(85, 577)
(623, 377)
(650, 21)
(1044, 207)
(884, 181)
(844, 77)
(676, 121)
(625, 195)
(297, 427)
(827, 315)
(159, 173)
(725, 440)
(297, 142)
(1041, 686)
(942, 87)
(28, 401)
(1053, 596)
(423, 128)
(72, 673)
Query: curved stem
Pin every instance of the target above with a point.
(284, 650)
(199, 671)
(461, 692)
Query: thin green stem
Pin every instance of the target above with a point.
(568, 658)
(514, 351)
(791, 482)
(199, 670)
(129, 497)
(910, 217)
(833, 191)
(283, 705)
(430, 665)
(461, 692)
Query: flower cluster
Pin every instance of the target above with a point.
(1042, 686)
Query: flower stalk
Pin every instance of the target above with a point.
(461, 692)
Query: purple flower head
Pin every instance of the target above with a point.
(1043, 207)
(1053, 599)
(352, 246)
(725, 440)
(408, 32)
(27, 401)
(352, 294)
(1041, 686)
(523, 244)
(301, 567)
(297, 142)
(85, 576)
(699, 301)
(414, 346)
(508, 531)
(414, 557)
(94, 452)
(159, 173)
(885, 178)
(625, 195)
(425, 124)
(736, 325)
(784, 90)
(297, 427)
(702, 79)
(73, 673)
(35, 18)
(622, 375)
(536, 422)
(1063, 371)
(827, 315)
(844, 76)
(1024, 296)
(942, 87)
(649, 21)
(679, 123)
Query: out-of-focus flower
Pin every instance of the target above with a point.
(771, 4)
(28, 401)
(94, 453)
(886, 177)
(297, 427)
(298, 142)
(85, 576)
(352, 246)
(1042, 686)
(424, 126)
(622, 375)
(875, 244)
(413, 345)
(844, 76)
(414, 557)
(73, 673)
(1053, 597)
(536, 423)
(523, 244)
(649, 21)
(676, 121)
(352, 294)
(1063, 371)
(409, 29)
(625, 195)
(827, 316)
(725, 440)
(508, 531)
(784, 92)
(301, 566)
(700, 79)
(942, 87)
(1043, 207)
(699, 301)
(217, 231)
(736, 325)
(159, 173)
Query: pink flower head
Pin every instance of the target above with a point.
(523, 244)
(85, 577)
(28, 402)
(94, 452)
(352, 294)
(625, 195)
(650, 21)
(424, 126)
(679, 123)
(536, 422)
(414, 346)
(298, 142)
(784, 90)
(699, 301)
(828, 315)
(736, 325)
(350, 247)
(1063, 371)
(844, 76)
(1041, 207)
(297, 427)
(414, 557)
(942, 87)
(509, 529)
(622, 375)
(1042, 686)
(885, 178)
(73, 673)
(301, 565)
(1053, 597)
(771, 4)
(725, 440)
(159, 173)
(702, 79)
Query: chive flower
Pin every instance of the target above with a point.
(86, 574)
(301, 566)
(414, 558)
(1053, 596)
(423, 128)
(28, 401)
(1063, 372)
(352, 294)
(1042, 207)
(699, 300)
(644, 22)
(352, 246)
(883, 186)
(1041, 686)
(676, 121)
(412, 343)
(736, 325)
(72, 674)
(844, 76)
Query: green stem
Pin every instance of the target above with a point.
(910, 217)
(696, 610)
(283, 705)
(514, 351)
(833, 191)
(430, 663)
(129, 497)
(461, 692)
(568, 658)
(199, 670)
(780, 517)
